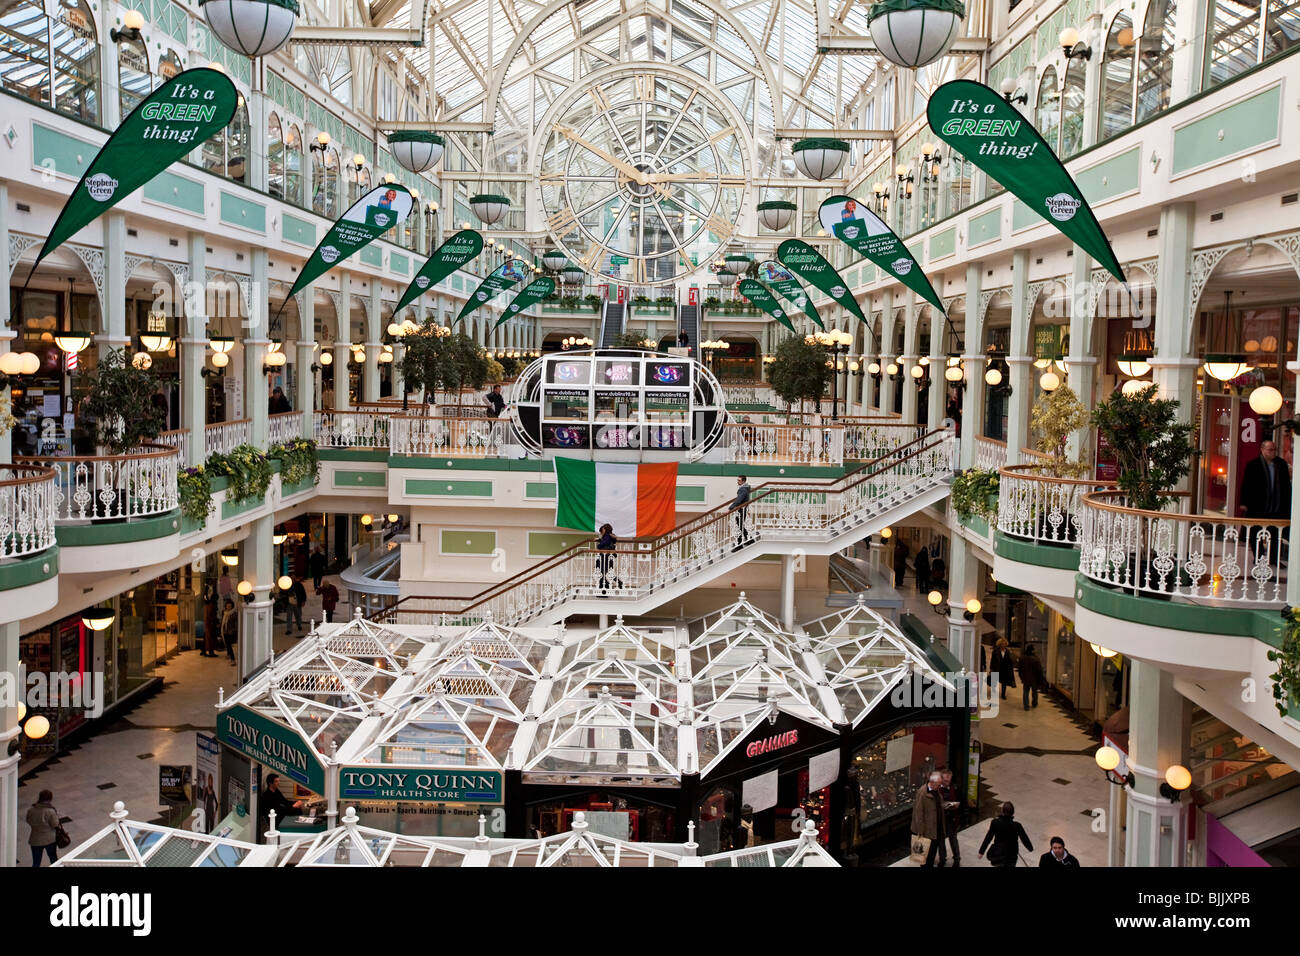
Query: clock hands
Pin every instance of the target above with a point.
(631, 171)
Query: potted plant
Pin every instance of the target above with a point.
(592, 300)
(298, 461)
(1055, 416)
(248, 470)
(119, 400)
(798, 372)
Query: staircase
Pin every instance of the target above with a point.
(612, 326)
(688, 321)
(781, 518)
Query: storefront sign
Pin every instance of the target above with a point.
(757, 748)
(427, 784)
(271, 745)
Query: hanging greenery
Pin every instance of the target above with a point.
(1286, 679)
(195, 493)
(298, 461)
(247, 468)
(972, 492)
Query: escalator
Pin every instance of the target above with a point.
(688, 321)
(612, 326)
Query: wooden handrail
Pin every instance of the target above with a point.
(1022, 471)
(1093, 500)
(234, 421)
(38, 473)
(153, 451)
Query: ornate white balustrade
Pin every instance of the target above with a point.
(220, 437)
(990, 454)
(27, 507)
(745, 441)
(1198, 558)
(1035, 506)
(112, 487)
(283, 427)
(353, 429)
(455, 437)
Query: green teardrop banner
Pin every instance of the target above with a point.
(461, 248)
(990, 132)
(761, 296)
(781, 281)
(850, 221)
(379, 210)
(164, 127)
(502, 278)
(534, 292)
(811, 266)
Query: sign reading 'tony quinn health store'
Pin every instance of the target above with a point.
(425, 784)
(271, 745)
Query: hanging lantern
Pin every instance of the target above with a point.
(820, 158)
(775, 214)
(415, 150)
(490, 208)
(251, 27)
(954, 373)
(573, 275)
(555, 260)
(736, 264)
(913, 33)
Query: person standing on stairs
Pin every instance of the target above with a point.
(739, 506)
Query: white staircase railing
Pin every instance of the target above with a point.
(636, 570)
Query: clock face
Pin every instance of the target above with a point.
(643, 177)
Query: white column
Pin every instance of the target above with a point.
(255, 345)
(787, 592)
(1156, 828)
(370, 383)
(963, 584)
(887, 384)
(972, 403)
(194, 345)
(342, 354)
(306, 398)
(1083, 365)
(9, 665)
(938, 365)
(908, 360)
(1022, 394)
(257, 566)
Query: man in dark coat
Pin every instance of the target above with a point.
(901, 552)
(922, 565)
(1000, 663)
(928, 818)
(1058, 856)
(1031, 674)
(1266, 493)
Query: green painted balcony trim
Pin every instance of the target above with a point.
(289, 490)
(360, 479)
(351, 454)
(536, 466)
(976, 524)
(119, 532)
(1262, 625)
(1062, 557)
(230, 509)
(30, 570)
(456, 489)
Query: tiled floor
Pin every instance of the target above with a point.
(121, 761)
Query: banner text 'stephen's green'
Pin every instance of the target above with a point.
(991, 133)
(461, 248)
(811, 266)
(864, 232)
(164, 127)
(535, 291)
(379, 210)
(761, 296)
(502, 278)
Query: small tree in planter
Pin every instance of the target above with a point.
(798, 372)
(119, 399)
(1055, 417)
(1152, 447)
(437, 359)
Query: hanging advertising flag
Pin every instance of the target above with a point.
(864, 232)
(978, 123)
(534, 292)
(379, 210)
(447, 258)
(502, 278)
(781, 281)
(164, 127)
(761, 296)
(811, 266)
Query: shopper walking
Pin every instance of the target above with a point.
(928, 819)
(44, 821)
(297, 600)
(921, 564)
(1004, 834)
(317, 565)
(1058, 856)
(952, 804)
(329, 599)
(901, 551)
(740, 505)
(1031, 675)
(1003, 666)
(211, 621)
(230, 628)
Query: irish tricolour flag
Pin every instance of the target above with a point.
(638, 500)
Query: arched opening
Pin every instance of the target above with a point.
(1116, 114)
(153, 303)
(1156, 55)
(293, 165)
(741, 363)
(1233, 40)
(274, 156)
(996, 342)
(1048, 114)
(1247, 323)
(134, 81)
(325, 195)
(1049, 346)
(325, 320)
(34, 46)
(1073, 98)
(226, 153)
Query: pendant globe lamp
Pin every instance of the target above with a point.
(736, 263)
(489, 207)
(415, 150)
(775, 214)
(555, 260)
(913, 33)
(251, 27)
(819, 158)
(574, 275)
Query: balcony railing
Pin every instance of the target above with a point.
(220, 437)
(1036, 506)
(1197, 558)
(27, 508)
(139, 484)
(283, 427)
(353, 429)
(990, 454)
(457, 437)
(783, 444)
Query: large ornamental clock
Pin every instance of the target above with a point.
(642, 177)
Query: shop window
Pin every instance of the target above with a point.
(325, 193)
(169, 64)
(225, 153)
(24, 51)
(274, 157)
(76, 61)
(885, 774)
(1117, 78)
(1072, 106)
(350, 182)
(1234, 44)
(1156, 58)
(39, 54)
(1282, 29)
(1048, 114)
(293, 165)
(134, 81)
(608, 813)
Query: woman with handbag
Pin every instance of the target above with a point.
(1004, 832)
(46, 833)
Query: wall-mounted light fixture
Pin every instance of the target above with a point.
(132, 24)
